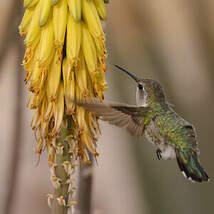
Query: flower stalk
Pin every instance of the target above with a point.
(64, 60)
(61, 171)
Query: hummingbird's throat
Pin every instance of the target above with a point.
(141, 97)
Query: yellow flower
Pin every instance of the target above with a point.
(64, 59)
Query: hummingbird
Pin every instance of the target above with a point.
(156, 119)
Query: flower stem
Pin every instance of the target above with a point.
(61, 194)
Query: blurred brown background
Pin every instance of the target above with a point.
(171, 41)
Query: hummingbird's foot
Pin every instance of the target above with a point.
(159, 155)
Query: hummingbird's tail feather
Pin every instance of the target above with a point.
(189, 165)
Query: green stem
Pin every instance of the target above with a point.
(61, 157)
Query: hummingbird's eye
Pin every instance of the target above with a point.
(140, 86)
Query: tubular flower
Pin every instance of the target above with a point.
(64, 60)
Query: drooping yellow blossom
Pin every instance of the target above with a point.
(64, 60)
(65, 53)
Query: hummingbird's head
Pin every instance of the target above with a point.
(148, 91)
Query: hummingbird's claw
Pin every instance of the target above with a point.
(158, 152)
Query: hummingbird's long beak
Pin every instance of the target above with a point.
(127, 72)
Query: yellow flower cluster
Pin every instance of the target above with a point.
(64, 60)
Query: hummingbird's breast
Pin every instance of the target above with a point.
(152, 133)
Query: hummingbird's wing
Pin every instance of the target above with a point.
(121, 115)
